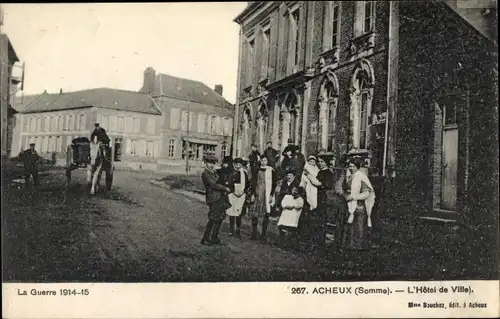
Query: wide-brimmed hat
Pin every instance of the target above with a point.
(32, 144)
(311, 157)
(238, 160)
(210, 159)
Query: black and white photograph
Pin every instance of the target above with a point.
(261, 141)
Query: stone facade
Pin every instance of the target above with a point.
(7, 58)
(371, 77)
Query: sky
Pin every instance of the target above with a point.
(81, 46)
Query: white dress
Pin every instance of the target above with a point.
(292, 208)
(235, 201)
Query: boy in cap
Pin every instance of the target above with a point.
(215, 194)
(31, 159)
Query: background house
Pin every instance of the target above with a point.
(131, 120)
(184, 101)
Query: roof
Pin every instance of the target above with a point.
(180, 88)
(101, 97)
(251, 6)
(12, 53)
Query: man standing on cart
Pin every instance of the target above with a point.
(101, 135)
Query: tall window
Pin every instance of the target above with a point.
(59, 144)
(250, 61)
(213, 120)
(184, 120)
(104, 122)
(33, 125)
(365, 17)
(129, 124)
(296, 36)
(46, 124)
(174, 118)
(151, 126)
(335, 10)
(266, 52)
(120, 123)
(226, 129)
(53, 123)
(38, 124)
(368, 16)
(112, 123)
(202, 118)
(45, 144)
(70, 124)
(363, 119)
(137, 125)
(83, 122)
(332, 110)
(223, 151)
(133, 147)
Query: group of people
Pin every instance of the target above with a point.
(303, 195)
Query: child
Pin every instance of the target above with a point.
(292, 205)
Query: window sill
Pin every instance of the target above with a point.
(362, 43)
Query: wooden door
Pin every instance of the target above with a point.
(450, 158)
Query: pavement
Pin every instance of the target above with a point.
(139, 232)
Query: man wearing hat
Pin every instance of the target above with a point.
(31, 159)
(215, 195)
(101, 135)
(272, 155)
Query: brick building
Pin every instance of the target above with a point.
(388, 80)
(148, 129)
(195, 117)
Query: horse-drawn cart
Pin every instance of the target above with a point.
(97, 158)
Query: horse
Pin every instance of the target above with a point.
(100, 161)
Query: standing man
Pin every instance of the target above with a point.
(214, 193)
(272, 155)
(254, 158)
(101, 135)
(31, 159)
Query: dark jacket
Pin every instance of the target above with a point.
(213, 190)
(236, 179)
(253, 158)
(101, 135)
(30, 159)
(225, 177)
(272, 155)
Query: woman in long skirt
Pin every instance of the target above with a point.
(360, 198)
(262, 189)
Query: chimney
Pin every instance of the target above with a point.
(218, 89)
(148, 85)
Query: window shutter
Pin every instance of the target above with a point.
(129, 124)
(112, 123)
(174, 118)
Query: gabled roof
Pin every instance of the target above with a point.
(180, 88)
(101, 97)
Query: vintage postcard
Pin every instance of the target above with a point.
(262, 159)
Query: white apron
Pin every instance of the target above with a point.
(235, 201)
(292, 208)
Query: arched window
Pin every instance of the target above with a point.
(361, 100)
(262, 125)
(290, 120)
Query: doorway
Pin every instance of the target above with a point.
(118, 149)
(450, 156)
